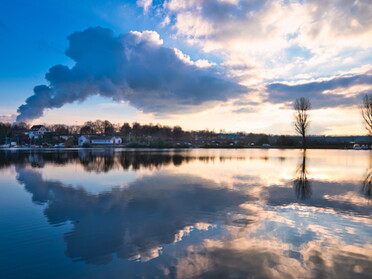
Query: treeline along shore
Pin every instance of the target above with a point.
(156, 136)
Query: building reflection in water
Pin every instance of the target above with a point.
(231, 218)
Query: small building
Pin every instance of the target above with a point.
(99, 140)
(37, 132)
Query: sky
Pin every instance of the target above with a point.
(233, 65)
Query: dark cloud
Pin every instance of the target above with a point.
(243, 102)
(133, 67)
(316, 91)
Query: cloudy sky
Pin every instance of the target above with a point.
(219, 64)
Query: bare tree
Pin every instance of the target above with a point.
(301, 116)
(366, 110)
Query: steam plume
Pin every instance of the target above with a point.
(132, 67)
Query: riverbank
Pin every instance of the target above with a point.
(173, 147)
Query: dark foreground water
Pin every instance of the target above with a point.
(186, 214)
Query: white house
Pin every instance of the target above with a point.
(37, 131)
(99, 140)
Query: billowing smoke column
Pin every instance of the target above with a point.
(133, 67)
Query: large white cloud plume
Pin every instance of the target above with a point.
(132, 67)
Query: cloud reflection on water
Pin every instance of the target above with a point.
(237, 224)
(133, 221)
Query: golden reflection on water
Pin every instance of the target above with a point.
(245, 213)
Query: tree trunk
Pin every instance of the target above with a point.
(304, 142)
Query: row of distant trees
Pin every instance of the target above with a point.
(105, 127)
(302, 106)
(136, 129)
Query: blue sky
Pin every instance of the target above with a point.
(225, 62)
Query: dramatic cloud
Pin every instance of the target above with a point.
(133, 67)
(221, 21)
(283, 37)
(338, 91)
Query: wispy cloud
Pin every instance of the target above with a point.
(145, 4)
(8, 118)
(270, 33)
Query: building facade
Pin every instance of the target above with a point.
(99, 140)
(37, 132)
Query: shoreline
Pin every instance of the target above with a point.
(165, 148)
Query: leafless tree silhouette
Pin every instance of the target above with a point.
(367, 182)
(366, 110)
(301, 184)
(301, 116)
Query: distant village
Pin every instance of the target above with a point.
(104, 134)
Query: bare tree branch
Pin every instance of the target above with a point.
(366, 110)
(301, 117)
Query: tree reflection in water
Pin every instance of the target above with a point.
(367, 182)
(187, 222)
(105, 160)
(301, 184)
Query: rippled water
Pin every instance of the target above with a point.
(186, 214)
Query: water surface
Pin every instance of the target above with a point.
(186, 214)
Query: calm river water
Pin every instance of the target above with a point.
(186, 214)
